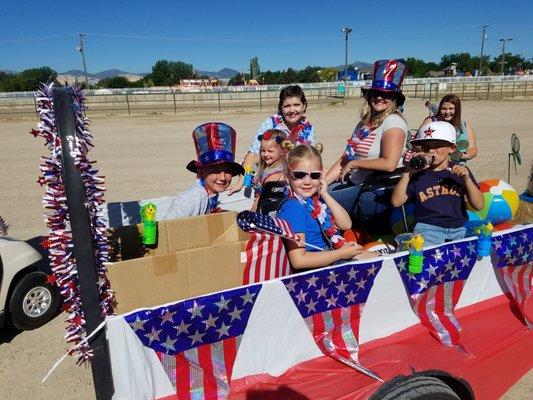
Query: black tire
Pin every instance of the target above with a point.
(34, 302)
(421, 388)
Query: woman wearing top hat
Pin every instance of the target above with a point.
(215, 167)
(378, 140)
(289, 118)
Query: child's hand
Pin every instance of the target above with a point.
(350, 250)
(236, 186)
(461, 171)
(323, 187)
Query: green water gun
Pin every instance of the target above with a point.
(148, 213)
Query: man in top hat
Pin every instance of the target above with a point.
(215, 167)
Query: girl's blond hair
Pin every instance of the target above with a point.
(302, 151)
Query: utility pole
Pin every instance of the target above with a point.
(483, 37)
(81, 49)
(503, 53)
(346, 32)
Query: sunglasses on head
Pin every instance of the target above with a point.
(299, 175)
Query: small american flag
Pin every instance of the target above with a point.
(331, 302)
(197, 340)
(266, 257)
(515, 266)
(435, 291)
(251, 221)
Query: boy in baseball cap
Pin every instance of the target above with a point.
(214, 168)
(438, 190)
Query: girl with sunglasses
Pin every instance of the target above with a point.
(313, 214)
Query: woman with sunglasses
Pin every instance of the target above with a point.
(313, 214)
(289, 118)
(377, 143)
(450, 111)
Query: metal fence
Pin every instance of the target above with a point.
(218, 99)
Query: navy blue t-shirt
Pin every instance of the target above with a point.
(439, 198)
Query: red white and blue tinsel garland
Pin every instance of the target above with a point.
(63, 263)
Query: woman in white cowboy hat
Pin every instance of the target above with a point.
(378, 140)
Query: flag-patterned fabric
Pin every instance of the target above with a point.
(331, 302)
(197, 340)
(266, 257)
(515, 266)
(435, 291)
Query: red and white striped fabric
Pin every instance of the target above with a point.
(266, 258)
(363, 146)
(519, 281)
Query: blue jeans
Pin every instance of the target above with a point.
(435, 235)
(345, 193)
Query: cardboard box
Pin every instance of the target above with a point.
(194, 256)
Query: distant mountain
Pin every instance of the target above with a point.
(110, 73)
(224, 73)
(356, 64)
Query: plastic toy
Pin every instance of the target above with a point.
(248, 180)
(414, 244)
(380, 247)
(483, 230)
(148, 213)
(501, 201)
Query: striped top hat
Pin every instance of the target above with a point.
(388, 77)
(215, 145)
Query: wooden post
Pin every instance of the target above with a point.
(501, 90)
(219, 107)
(416, 90)
(128, 104)
(475, 91)
(260, 101)
(83, 246)
(514, 84)
(463, 95)
(525, 88)
(488, 90)
(174, 98)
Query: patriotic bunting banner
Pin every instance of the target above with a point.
(435, 291)
(197, 340)
(331, 302)
(515, 266)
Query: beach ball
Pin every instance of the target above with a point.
(501, 201)
(396, 218)
(380, 247)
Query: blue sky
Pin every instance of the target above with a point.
(132, 35)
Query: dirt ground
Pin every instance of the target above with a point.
(144, 156)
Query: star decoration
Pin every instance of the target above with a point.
(210, 322)
(235, 314)
(223, 330)
(454, 273)
(222, 304)
(401, 265)
(332, 277)
(322, 291)
(301, 296)
(350, 297)
(449, 265)
(351, 273)
(428, 132)
(432, 270)
(371, 271)
(183, 328)
(290, 285)
(153, 335)
(456, 251)
(197, 337)
(169, 344)
(361, 283)
(341, 287)
(332, 301)
(471, 248)
(439, 277)
(196, 310)
(312, 281)
(167, 316)
(247, 297)
(311, 306)
(423, 284)
(437, 255)
(138, 324)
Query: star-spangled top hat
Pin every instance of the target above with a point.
(215, 145)
(388, 77)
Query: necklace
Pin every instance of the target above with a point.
(320, 211)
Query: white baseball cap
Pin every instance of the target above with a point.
(436, 130)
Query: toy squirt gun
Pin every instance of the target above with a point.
(483, 230)
(248, 180)
(148, 213)
(414, 243)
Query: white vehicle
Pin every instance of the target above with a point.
(27, 300)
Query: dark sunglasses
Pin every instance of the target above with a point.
(299, 175)
(384, 95)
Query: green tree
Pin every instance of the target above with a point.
(254, 68)
(512, 62)
(416, 67)
(327, 74)
(28, 79)
(168, 73)
(116, 82)
(464, 61)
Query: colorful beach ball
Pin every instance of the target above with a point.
(396, 218)
(501, 201)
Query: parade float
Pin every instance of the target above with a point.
(210, 311)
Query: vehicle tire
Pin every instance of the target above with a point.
(34, 302)
(421, 388)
